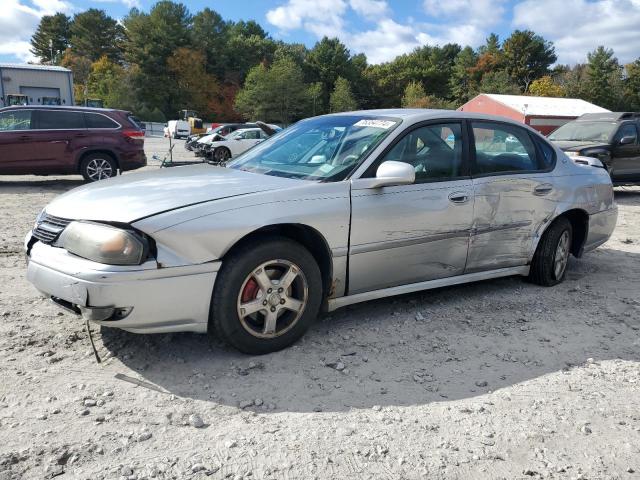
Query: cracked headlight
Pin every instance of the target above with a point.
(104, 243)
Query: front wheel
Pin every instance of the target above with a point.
(266, 296)
(550, 261)
(98, 166)
(221, 154)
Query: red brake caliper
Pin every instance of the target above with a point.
(250, 291)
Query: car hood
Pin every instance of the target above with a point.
(138, 195)
(575, 145)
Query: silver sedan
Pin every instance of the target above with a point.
(332, 211)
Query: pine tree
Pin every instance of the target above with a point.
(51, 38)
(414, 96)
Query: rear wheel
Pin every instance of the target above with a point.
(550, 261)
(98, 166)
(266, 297)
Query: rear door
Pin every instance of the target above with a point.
(412, 233)
(514, 194)
(15, 137)
(626, 164)
(58, 137)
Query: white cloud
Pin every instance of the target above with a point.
(321, 17)
(126, 3)
(370, 9)
(18, 21)
(579, 26)
(467, 24)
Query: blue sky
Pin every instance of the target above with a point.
(382, 29)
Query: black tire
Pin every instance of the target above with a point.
(231, 282)
(543, 268)
(221, 154)
(98, 166)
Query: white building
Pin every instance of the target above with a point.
(35, 85)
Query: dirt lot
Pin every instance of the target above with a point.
(499, 379)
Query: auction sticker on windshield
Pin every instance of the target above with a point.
(386, 124)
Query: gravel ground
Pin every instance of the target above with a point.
(498, 379)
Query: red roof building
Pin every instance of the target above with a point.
(545, 114)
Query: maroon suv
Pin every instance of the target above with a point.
(95, 142)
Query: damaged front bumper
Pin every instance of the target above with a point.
(141, 299)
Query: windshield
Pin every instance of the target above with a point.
(323, 148)
(585, 131)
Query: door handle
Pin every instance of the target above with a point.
(459, 197)
(543, 189)
(25, 137)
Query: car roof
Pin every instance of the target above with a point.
(420, 114)
(62, 107)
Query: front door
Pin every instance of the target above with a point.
(514, 194)
(413, 233)
(15, 138)
(626, 157)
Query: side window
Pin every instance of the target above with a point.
(60, 120)
(15, 120)
(548, 154)
(95, 120)
(627, 130)
(502, 148)
(251, 135)
(434, 151)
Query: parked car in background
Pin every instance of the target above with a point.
(53, 140)
(214, 134)
(332, 211)
(234, 144)
(612, 138)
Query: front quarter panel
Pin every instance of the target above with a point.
(206, 232)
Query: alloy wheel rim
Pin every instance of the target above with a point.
(272, 299)
(561, 256)
(99, 169)
(222, 154)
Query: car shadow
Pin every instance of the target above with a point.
(22, 184)
(432, 346)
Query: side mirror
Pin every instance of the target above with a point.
(627, 140)
(389, 173)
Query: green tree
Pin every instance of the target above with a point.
(546, 87)
(527, 56)
(276, 94)
(632, 85)
(342, 99)
(604, 78)
(51, 38)
(315, 97)
(328, 60)
(498, 82)
(462, 83)
(151, 38)
(414, 96)
(210, 35)
(94, 34)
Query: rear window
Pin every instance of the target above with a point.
(95, 120)
(59, 120)
(137, 122)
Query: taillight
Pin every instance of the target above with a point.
(133, 133)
